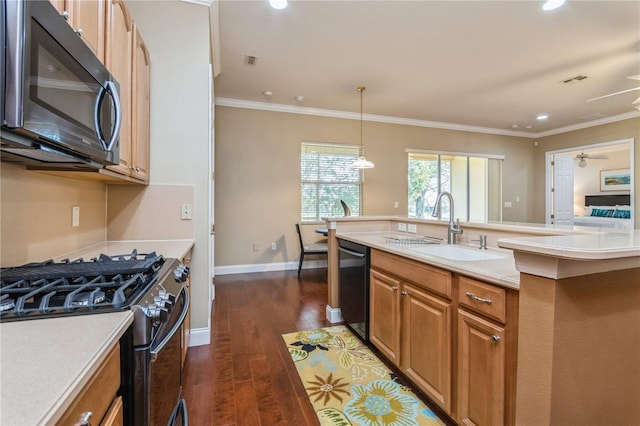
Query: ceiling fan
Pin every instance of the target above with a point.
(636, 103)
(582, 157)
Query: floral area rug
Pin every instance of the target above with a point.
(348, 385)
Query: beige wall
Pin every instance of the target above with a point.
(257, 199)
(177, 35)
(35, 222)
(607, 133)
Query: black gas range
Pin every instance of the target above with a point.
(147, 284)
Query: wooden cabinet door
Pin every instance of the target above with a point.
(384, 319)
(87, 18)
(426, 343)
(118, 57)
(141, 110)
(481, 371)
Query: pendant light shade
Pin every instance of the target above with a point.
(361, 162)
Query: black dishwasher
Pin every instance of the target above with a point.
(354, 287)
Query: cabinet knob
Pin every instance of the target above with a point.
(394, 288)
(495, 339)
(84, 419)
(80, 32)
(65, 15)
(404, 293)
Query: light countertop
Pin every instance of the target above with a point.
(44, 364)
(500, 271)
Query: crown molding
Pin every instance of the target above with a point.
(237, 103)
(200, 2)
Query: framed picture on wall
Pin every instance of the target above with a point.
(615, 180)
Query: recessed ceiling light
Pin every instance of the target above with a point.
(280, 4)
(542, 117)
(552, 4)
(299, 98)
(267, 93)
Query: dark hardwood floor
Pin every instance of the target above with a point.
(245, 376)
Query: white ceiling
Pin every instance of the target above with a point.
(484, 64)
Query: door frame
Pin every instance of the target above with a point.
(549, 172)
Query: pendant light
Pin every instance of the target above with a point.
(361, 162)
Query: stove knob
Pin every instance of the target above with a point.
(163, 303)
(158, 314)
(181, 273)
(166, 296)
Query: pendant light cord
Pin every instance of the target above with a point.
(361, 89)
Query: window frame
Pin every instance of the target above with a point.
(351, 153)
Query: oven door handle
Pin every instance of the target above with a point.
(180, 410)
(176, 327)
(351, 252)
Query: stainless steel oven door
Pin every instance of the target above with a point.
(166, 405)
(157, 370)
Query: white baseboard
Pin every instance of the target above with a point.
(333, 315)
(268, 267)
(200, 337)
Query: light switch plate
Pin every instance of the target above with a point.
(412, 228)
(402, 227)
(75, 216)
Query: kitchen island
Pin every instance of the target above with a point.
(577, 309)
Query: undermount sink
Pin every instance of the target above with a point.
(454, 252)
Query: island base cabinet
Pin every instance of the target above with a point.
(384, 304)
(481, 371)
(426, 343)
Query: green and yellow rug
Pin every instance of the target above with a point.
(348, 385)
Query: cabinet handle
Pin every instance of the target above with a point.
(495, 339)
(404, 293)
(65, 15)
(478, 299)
(394, 288)
(84, 419)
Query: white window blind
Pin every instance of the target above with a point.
(326, 178)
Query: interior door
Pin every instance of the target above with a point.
(562, 190)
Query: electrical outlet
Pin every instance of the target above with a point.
(507, 204)
(75, 216)
(396, 205)
(402, 227)
(412, 228)
(185, 212)
(274, 246)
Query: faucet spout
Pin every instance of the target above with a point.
(454, 227)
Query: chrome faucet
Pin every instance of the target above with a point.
(454, 227)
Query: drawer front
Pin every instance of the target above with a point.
(483, 298)
(427, 277)
(99, 392)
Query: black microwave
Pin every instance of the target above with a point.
(60, 105)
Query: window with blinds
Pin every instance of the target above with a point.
(326, 178)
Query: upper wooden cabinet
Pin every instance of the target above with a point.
(119, 60)
(127, 57)
(140, 108)
(87, 18)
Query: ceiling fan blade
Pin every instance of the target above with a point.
(597, 157)
(613, 94)
(636, 102)
(634, 77)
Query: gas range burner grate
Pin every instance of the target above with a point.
(128, 264)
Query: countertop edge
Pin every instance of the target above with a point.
(67, 398)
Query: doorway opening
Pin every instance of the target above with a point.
(578, 172)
